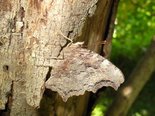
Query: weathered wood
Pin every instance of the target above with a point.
(12, 60)
(46, 34)
(32, 36)
(31, 40)
(92, 23)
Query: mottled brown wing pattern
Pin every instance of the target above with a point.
(82, 70)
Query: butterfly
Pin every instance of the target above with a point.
(82, 70)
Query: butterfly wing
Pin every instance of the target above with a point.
(82, 70)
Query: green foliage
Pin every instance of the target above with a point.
(101, 105)
(144, 105)
(135, 27)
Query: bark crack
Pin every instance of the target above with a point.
(48, 73)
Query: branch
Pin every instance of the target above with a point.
(129, 91)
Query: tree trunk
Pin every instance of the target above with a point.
(32, 35)
(129, 91)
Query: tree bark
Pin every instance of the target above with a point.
(129, 91)
(97, 29)
(32, 35)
